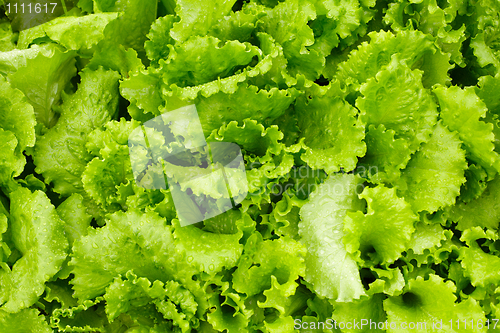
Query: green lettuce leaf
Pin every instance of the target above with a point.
(253, 103)
(461, 111)
(366, 308)
(135, 240)
(43, 79)
(116, 58)
(475, 262)
(385, 155)
(66, 31)
(433, 301)
(397, 99)
(238, 25)
(4, 247)
(17, 131)
(203, 59)
(287, 24)
(389, 281)
(487, 90)
(142, 89)
(433, 177)
(331, 271)
(434, 18)
(159, 39)
(12, 60)
(108, 178)
(88, 316)
(481, 212)
(208, 252)
(331, 130)
(197, 17)
(414, 48)
(484, 42)
(131, 293)
(269, 66)
(16, 115)
(37, 232)
(131, 26)
(475, 184)
(265, 155)
(265, 261)
(7, 37)
(11, 161)
(60, 155)
(76, 224)
(27, 320)
(380, 235)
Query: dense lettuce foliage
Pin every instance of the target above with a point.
(370, 133)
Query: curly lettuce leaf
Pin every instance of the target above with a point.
(484, 42)
(331, 131)
(414, 48)
(108, 181)
(397, 99)
(426, 236)
(60, 155)
(131, 26)
(385, 155)
(203, 59)
(7, 37)
(366, 308)
(17, 115)
(331, 271)
(433, 177)
(77, 221)
(265, 155)
(475, 184)
(432, 301)
(17, 131)
(433, 18)
(116, 58)
(26, 320)
(132, 240)
(197, 17)
(481, 212)
(43, 79)
(38, 233)
(461, 111)
(142, 89)
(389, 281)
(250, 101)
(287, 23)
(127, 295)
(157, 47)
(4, 247)
(11, 162)
(88, 316)
(487, 90)
(67, 31)
(264, 261)
(380, 235)
(238, 25)
(268, 66)
(208, 252)
(475, 262)
(108, 177)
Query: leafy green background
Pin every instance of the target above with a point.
(370, 132)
